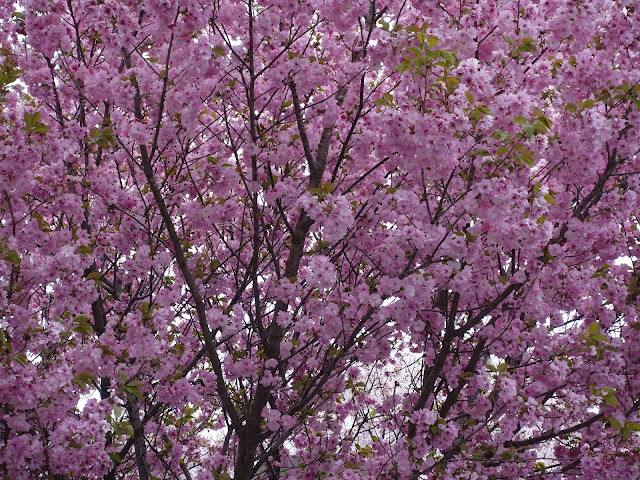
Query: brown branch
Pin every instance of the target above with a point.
(179, 254)
(429, 381)
(550, 434)
(144, 471)
(452, 398)
(487, 309)
(301, 128)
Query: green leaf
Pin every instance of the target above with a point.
(599, 337)
(219, 50)
(127, 428)
(81, 318)
(22, 359)
(549, 198)
(470, 98)
(601, 272)
(40, 128)
(33, 124)
(117, 411)
(507, 455)
(83, 330)
(482, 152)
(381, 102)
(32, 119)
(528, 157)
(540, 467)
(615, 424)
(611, 400)
(544, 121)
(12, 256)
(508, 39)
(106, 350)
(633, 426)
(593, 328)
(404, 66)
(480, 110)
(82, 324)
(500, 135)
(123, 376)
(432, 41)
(503, 367)
(527, 45)
(135, 383)
(83, 379)
(520, 119)
(84, 249)
(327, 187)
(588, 103)
(135, 391)
(94, 276)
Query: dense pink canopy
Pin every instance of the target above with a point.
(301, 239)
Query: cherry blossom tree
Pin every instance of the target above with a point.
(300, 239)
